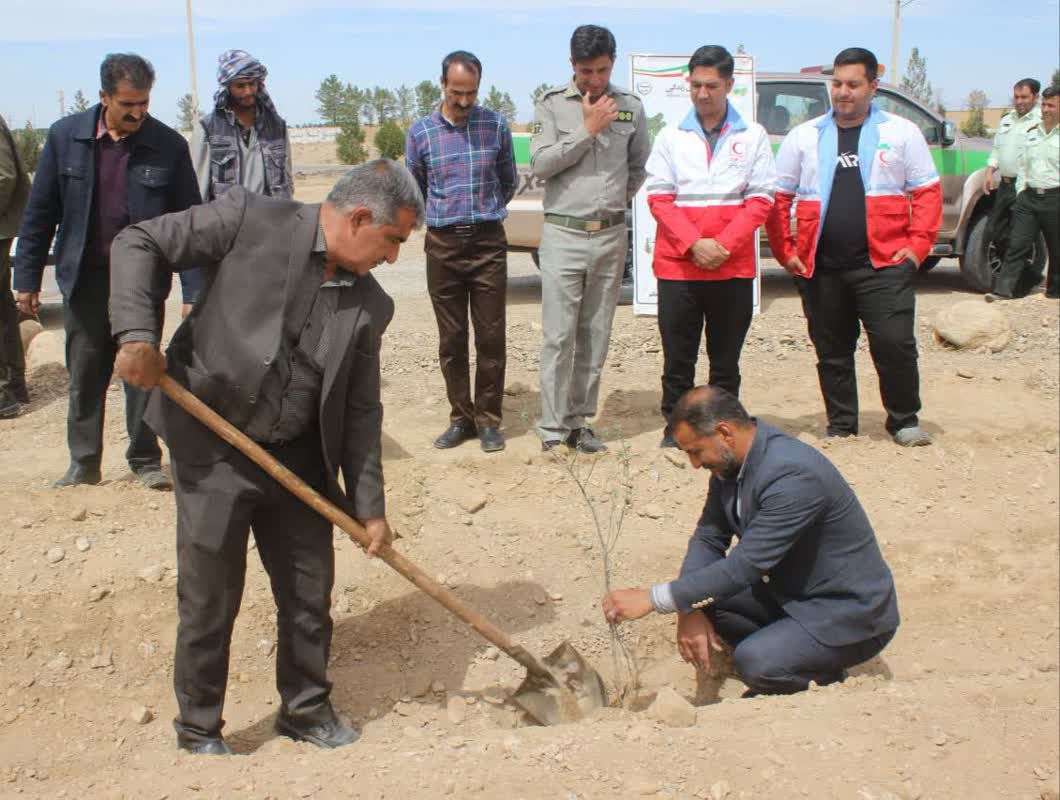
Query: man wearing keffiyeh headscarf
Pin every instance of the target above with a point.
(243, 141)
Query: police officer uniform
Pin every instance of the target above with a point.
(589, 181)
(1004, 158)
(1037, 208)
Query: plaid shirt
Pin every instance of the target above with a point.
(467, 174)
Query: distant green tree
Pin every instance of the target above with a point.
(385, 104)
(428, 96)
(975, 125)
(186, 113)
(406, 104)
(28, 143)
(390, 140)
(330, 99)
(538, 93)
(80, 103)
(915, 81)
(349, 143)
(501, 102)
(1055, 82)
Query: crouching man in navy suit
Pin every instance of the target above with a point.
(805, 593)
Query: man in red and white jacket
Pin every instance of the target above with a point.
(710, 185)
(869, 205)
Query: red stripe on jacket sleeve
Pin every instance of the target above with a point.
(671, 218)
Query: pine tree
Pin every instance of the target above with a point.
(915, 81)
(187, 113)
(406, 104)
(28, 143)
(501, 102)
(330, 99)
(80, 103)
(538, 93)
(384, 103)
(349, 143)
(428, 96)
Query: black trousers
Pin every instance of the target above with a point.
(217, 505)
(12, 359)
(774, 654)
(1031, 213)
(836, 304)
(723, 309)
(467, 268)
(999, 224)
(90, 352)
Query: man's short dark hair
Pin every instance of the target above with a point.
(704, 407)
(1051, 92)
(1028, 83)
(591, 41)
(125, 67)
(858, 55)
(465, 59)
(713, 55)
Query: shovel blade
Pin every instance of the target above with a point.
(569, 691)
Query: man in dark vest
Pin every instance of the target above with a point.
(243, 141)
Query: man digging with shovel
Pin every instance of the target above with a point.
(283, 343)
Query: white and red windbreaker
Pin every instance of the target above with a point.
(694, 194)
(903, 196)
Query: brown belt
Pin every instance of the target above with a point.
(586, 225)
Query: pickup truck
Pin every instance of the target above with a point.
(786, 99)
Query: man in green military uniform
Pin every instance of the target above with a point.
(590, 145)
(1004, 160)
(1037, 208)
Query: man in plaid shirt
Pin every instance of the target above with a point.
(461, 156)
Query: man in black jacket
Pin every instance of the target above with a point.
(101, 170)
(805, 594)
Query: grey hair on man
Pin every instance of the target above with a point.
(703, 407)
(117, 67)
(383, 187)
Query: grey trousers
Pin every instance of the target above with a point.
(581, 278)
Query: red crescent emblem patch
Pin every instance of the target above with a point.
(738, 148)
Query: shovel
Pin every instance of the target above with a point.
(560, 688)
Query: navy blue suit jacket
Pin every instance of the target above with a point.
(160, 179)
(802, 533)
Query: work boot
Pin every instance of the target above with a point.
(329, 734)
(78, 474)
(206, 747)
(491, 439)
(584, 440)
(913, 436)
(456, 434)
(153, 478)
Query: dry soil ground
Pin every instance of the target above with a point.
(963, 704)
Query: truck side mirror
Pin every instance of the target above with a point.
(949, 133)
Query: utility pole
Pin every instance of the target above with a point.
(191, 56)
(893, 66)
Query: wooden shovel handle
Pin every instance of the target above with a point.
(307, 494)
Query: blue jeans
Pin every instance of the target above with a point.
(774, 654)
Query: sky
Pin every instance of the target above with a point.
(48, 46)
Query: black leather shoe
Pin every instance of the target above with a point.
(329, 735)
(455, 434)
(78, 474)
(668, 439)
(154, 478)
(491, 439)
(550, 444)
(206, 747)
(585, 441)
(21, 393)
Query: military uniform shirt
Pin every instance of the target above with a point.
(1040, 165)
(587, 176)
(1008, 141)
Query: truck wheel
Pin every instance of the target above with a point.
(980, 262)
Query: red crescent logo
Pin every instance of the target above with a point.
(738, 148)
(883, 157)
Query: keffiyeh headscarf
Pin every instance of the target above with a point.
(234, 64)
